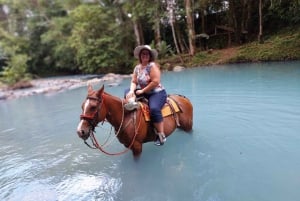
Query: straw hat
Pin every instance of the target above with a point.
(138, 49)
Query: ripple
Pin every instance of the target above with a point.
(8, 130)
(33, 191)
(245, 139)
(89, 187)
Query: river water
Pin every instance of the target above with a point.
(245, 144)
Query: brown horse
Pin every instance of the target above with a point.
(131, 127)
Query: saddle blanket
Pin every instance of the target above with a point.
(166, 110)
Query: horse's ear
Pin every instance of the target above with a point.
(100, 91)
(90, 88)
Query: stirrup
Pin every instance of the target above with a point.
(161, 139)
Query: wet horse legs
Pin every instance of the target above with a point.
(137, 148)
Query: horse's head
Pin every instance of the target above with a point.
(93, 111)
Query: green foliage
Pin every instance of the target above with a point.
(75, 36)
(282, 46)
(15, 71)
(164, 50)
(97, 39)
(60, 55)
(203, 58)
(288, 11)
(49, 30)
(16, 65)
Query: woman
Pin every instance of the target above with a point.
(146, 76)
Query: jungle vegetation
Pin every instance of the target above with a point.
(55, 37)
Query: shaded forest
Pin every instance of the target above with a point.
(55, 37)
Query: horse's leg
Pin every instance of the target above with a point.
(136, 149)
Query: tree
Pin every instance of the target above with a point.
(97, 39)
(190, 26)
(260, 39)
(16, 68)
(171, 15)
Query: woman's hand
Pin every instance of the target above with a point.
(130, 94)
(139, 92)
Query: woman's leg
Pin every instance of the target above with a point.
(156, 102)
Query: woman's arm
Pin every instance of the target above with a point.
(133, 85)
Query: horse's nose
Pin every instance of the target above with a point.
(79, 129)
(82, 134)
(82, 131)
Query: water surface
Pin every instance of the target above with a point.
(244, 144)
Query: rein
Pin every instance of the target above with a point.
(92, 120)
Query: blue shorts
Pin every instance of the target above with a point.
(156, 101)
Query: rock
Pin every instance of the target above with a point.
(56, 85)
(93, 81)
(113, 84)
(178, 68)
(21, 85)
(2, 96)
(167, 67)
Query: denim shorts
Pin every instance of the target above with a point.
(156, 101)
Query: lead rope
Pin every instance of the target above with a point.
(107, 141)
(97, 146)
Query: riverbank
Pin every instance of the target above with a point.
(57, 85)
(283, 46)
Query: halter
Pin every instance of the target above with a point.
(92, 120)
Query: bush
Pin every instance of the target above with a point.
(16, 69)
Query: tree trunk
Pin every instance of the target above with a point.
(235, 12)
(3, 18)
(174, 37)
(157, 34)
(139, 37)
(203, 28)
(170, 8)
(260, 34)
(137, 27)
(190, 26)
(181, 42)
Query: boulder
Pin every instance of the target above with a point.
(178, 68)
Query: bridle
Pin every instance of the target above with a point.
(93, 122)
(93, 118)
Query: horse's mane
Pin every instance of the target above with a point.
(113, 97)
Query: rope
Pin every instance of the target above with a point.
(107, 141)
(97, 146)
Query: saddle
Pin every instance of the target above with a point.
(170, 108)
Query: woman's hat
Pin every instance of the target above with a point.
(138, 49)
